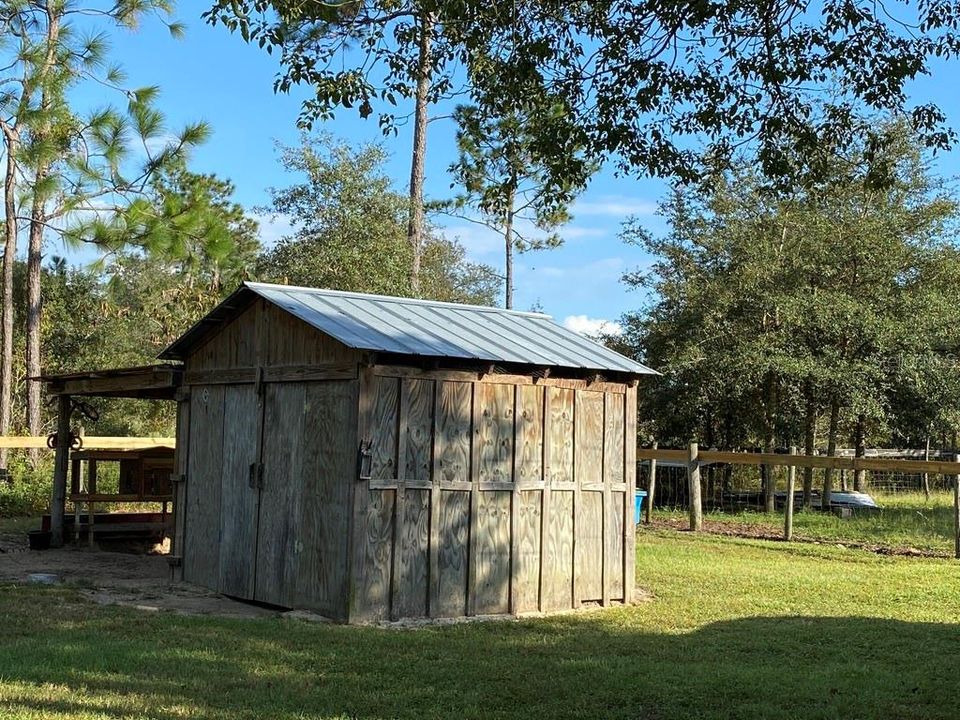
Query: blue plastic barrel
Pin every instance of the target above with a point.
(638, 505)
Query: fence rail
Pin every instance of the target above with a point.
(934, 467)
(90, 442)
(694, 458)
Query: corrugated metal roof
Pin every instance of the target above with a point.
(406, 326)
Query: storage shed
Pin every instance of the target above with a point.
(374, 458)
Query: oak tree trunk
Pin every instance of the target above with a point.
(832, 452)
(809, 445)
(860, 450)
(769, 445)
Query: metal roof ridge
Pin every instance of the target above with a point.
(393, 298)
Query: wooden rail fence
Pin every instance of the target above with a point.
(694, 457)
(90, 442)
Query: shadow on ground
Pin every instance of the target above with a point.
(74, 660)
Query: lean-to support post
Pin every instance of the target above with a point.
(61, 465)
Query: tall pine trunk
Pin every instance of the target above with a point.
(37, 226)
(415, 227)
(9, 260)
(508, 249)
(832, 452)
(34, 309)
(809, 443)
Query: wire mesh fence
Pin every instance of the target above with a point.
(888, 510)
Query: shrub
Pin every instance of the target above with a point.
(26, 491)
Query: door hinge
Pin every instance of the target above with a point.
(178, 478)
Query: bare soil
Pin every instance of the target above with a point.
(118, 578)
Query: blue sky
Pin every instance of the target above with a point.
(213, 76)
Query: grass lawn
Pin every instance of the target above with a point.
(737, 629)
(905, 520)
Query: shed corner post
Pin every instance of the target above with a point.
(61, 466)
(181, 465)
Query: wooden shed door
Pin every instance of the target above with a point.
(279, 541)
(240, 496)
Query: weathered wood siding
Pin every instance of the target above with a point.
(272, 464)
(486, 497)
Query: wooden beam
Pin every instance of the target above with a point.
(60, 468)
(90, 442)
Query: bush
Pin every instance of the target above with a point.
(27, 488)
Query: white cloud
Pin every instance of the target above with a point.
(576, 232)
(273, 227)
(591, 327)
(619, 206)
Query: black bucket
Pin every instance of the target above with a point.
(39, 539)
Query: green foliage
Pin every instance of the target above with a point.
(834, 293)
(311, 37)
(350, 230)
(27, 492)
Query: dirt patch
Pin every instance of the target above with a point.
(118, 578)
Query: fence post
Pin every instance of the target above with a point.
(956, 512)
(788, 507)
(651, 486)
(693, 478)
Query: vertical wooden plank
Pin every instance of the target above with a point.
(474, 498)
(588, 514)
(630, 465)
(453, 555)
(281, 498)
(545, 506)
(399, 496)
(450, 511)
(613, 473)
(616, 562)
(358, 605)
(329, 470)
(528, 552)
(453, 425)
(495, 432)
(411, 554)
(201, 547)
(239, 503)
(558, 535)
(561, 434)
(525, 514)
(433, 543)
(558, 556)
(514, 511)
(417, 429)
(384, 428)
(181, 457)
(376, 555)
(410, 590)
(493, 559)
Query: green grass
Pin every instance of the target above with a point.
(906, 520)
(737, 629)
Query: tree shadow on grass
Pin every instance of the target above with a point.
(120, 663)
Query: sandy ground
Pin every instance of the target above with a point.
(118, 578)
